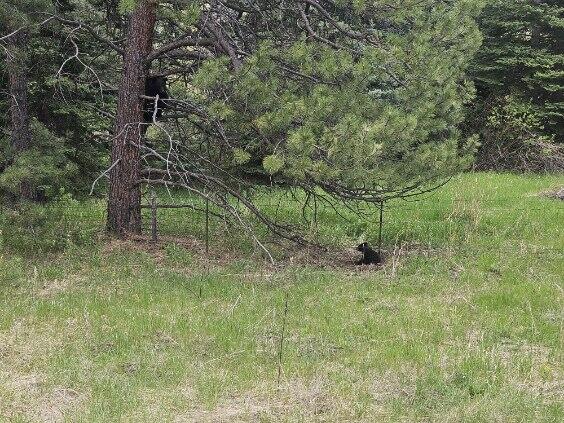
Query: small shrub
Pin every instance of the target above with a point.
(511, 140)
(44, 168)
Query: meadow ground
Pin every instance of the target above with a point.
(464, 323)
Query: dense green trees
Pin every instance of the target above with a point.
(320, 95)
(519, 76)
(15, 18)
(48, 142)
(355, 101)
(523, 55)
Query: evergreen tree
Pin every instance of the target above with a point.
(520, 65)
(358, 100)
(15, 20)
(365, 109)
(64, 102)
(351, 100)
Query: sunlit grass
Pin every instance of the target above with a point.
(465, 324)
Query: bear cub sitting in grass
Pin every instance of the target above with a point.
(369, 256)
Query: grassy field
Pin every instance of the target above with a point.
(464, 323)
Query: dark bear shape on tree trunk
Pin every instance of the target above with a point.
(155, 85)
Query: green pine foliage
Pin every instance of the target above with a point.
(16, 14)
(45, 166)
(523, 56)
(382, 117)
(126, 6)
(65, 102)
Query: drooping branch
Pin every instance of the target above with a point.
(91, 31)
(215, 30)
(175, 46)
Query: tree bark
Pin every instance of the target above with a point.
(20, 136)
(124, 212)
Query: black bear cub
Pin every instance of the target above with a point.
(155, 85)
(369, 256)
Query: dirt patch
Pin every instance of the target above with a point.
(557, 194)
(393, 385)
(53, 287)
(28, 397)
(293, 401)
(158, 251)
(329, 258)
(21, 383)
(286, 255)
(133, 243)
(53, 406)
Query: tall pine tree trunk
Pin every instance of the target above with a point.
(124, 213)
(20, 136)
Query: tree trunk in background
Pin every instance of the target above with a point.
(124, 212)
(20, 136)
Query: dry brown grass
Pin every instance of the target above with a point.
(34, 399)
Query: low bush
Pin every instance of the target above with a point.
(511, 139)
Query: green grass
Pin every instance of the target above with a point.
(463, 324)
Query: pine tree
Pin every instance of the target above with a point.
(364, 103)
(62, 101)
(15, 20)
(521, 61)
(124, 213)
(356, 101)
